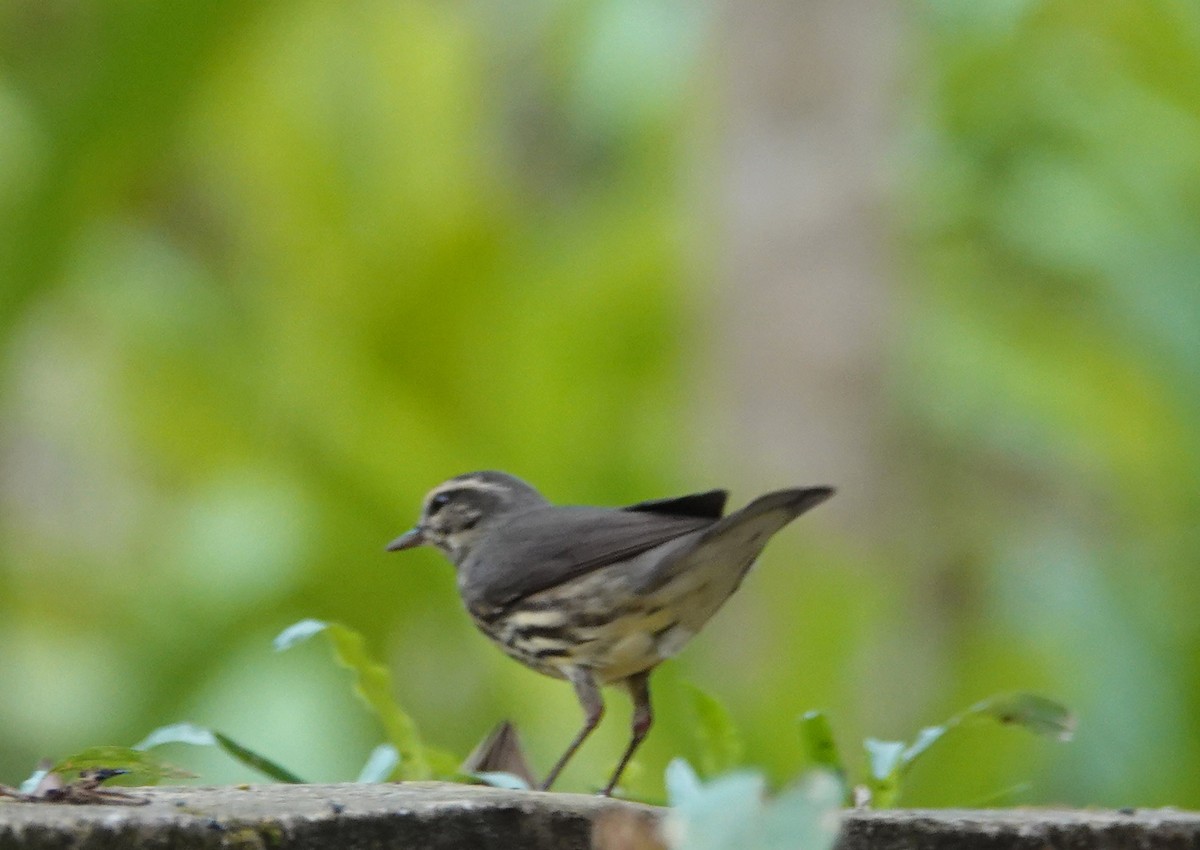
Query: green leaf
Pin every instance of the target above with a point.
(925, 739)
(718, 736)
(34, 779)
(373, 684)
(252, 759)
(1038, 714)
(381, 763)
(819, 745)
(884, 757)
(144, 769)
(178, 733)
(200, 736)
(891, 760)
(886, 760)
(298, 633)
(501, 779)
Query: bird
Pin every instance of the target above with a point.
(595, 595)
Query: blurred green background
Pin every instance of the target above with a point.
(269, 271)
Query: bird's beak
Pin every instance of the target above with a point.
(407, 540)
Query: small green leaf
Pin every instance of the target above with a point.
(501, 779)
(298, 633)
(886, 759)
(34, 780)
(890, 760)
(252, 759)
(381, 763)
(817, 736)
(201, 736)
(373, 684)
(719, 738)
(144, 769)
(1038, 714)
(178, 733)
(925, 739)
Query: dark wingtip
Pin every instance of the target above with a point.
(810, 497)
(707, 505)
(796, 501)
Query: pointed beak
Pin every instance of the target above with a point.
(407, 540)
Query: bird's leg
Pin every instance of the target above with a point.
(593, 709)
(639, 689)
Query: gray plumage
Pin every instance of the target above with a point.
(596, 595)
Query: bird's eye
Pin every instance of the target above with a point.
(437, 503)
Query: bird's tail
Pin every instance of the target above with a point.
(767, 514)
(696, 579)
(721, 554)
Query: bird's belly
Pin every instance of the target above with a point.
(600, 622)
(612, 650)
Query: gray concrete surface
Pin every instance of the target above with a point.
(299, 817)
(1021, 829)
(438, 815)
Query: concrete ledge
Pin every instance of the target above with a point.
(300, 817)
(440, 815)
(1021, 829)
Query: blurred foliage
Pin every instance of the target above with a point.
(889, 762)
(1051, 374)
(270, 271)
(128, 766)
(734, 811)
(201, 736)
(374, 686)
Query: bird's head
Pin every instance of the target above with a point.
(460, 511)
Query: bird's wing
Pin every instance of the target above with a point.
(545, 547)
(710, 505)
(736, 540)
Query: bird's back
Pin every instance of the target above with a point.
(547, 546)
(614, 590)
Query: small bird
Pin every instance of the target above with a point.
(596, 596)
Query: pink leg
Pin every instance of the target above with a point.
(593, 710)
(643, 717)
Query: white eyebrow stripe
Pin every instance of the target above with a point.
(483, 484)
(466, 484)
